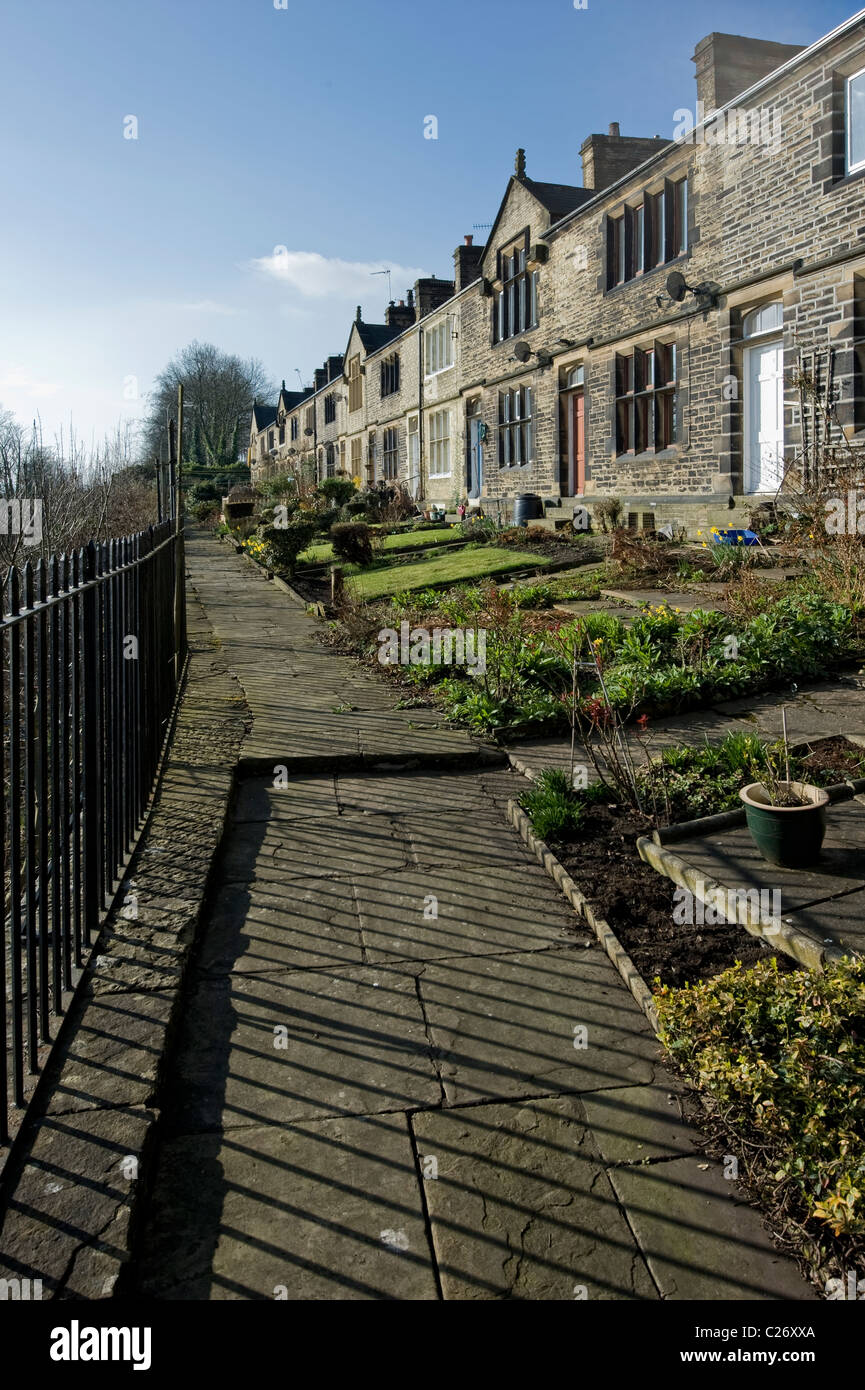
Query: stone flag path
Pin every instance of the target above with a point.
(406, 1070)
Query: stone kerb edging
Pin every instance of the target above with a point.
(803, 946)
(602, 929)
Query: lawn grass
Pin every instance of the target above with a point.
(322, 553)
(448, 568)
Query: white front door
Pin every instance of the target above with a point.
(764, 416)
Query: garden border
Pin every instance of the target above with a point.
(602, 929)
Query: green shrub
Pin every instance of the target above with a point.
(481, 529)
(533, 596)
(278, 486)
(552, 805)
(781, 1058)
(287, 542)
(352, 542)
(337, 491)
(326, 519)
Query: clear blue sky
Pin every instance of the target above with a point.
(300, 128)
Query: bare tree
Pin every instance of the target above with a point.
(81, 495)
(219, 389)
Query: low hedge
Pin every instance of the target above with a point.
(780, 1061)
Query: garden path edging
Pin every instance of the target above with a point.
(802, 946)
(602, 929)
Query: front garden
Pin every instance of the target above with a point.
(774, 1054)
(380, 546)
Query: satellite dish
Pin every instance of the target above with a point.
(522, 352)
(676, 286)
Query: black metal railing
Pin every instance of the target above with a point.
(91, 647)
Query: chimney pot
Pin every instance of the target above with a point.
(358, 315)
(469, 240)
(614, 128)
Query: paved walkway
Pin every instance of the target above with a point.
(406, 1069)
(818, 711)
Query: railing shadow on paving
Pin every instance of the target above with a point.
(92, 646)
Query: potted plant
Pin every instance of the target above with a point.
(786, 818)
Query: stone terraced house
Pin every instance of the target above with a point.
(640, 335)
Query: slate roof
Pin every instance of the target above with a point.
(558, 198)
(263, 415)
(376, 335)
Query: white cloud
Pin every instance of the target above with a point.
(22, 382)
(320, 277)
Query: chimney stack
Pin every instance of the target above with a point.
(399, 315)
(728, 64)
(607, 158)
(467, 263)
(429, 294)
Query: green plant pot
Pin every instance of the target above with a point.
(790, 837)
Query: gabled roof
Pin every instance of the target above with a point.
(290, 399)
(376, 335)
(558, 198)
(263, 415)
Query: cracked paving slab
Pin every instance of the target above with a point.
(505, 1026)
(520, 1205)
(275, 1048)
(699, 1237)
(305, 925)
(280, 853)
(430, 913)
(330, 1210)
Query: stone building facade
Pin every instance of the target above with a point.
(643, 334)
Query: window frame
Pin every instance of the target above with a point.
(850, 168)
(516, 306)
(438, 344)
(646, 399)
(389, 370)
(355, 385)
(390, 453)
(439, 444)
(647, 234)
(516, 426)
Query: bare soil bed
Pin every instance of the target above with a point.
(637, 902)
(602, 859)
